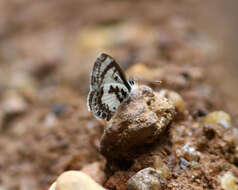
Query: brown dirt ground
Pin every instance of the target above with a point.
(46, 52)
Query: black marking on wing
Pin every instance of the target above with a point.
(101, 110)
(120, 93)
(90, 99)
(100, 69)
(98, 79)
(118, 68)
(97, 69)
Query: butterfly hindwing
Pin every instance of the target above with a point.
(108, 87)
(107, 99)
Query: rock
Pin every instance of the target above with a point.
(13, 104)
(159, 165)
(175, 98)
(139, 120)
(188, 152)
(146, 179)
(229, 181)
(184, 164)
(189, 157)
(74, 180)
(218, 117)
(52, 187)
(95, 171)
(218, 123)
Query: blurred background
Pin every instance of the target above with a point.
(47, 50)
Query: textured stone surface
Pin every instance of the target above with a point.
(159, 165)
(188, 152)
(229, 181)
(138, 121)
(146, 179)
(219, 117)
(175, 99)
(52, 187)
(74, 180)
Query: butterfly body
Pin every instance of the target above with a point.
(108, 87)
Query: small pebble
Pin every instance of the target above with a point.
(188, 152)
(147, 179)
(184, 164)
(13, 104)
(175, 98)
(75, 180)
(229, 181)
(218, 117)
(161, 166)
(52, 187)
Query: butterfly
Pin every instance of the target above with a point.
(108, 87)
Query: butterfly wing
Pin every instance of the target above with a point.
(108, 87)
(106, 70)
(105, 101)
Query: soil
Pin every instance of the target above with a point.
(47, 51)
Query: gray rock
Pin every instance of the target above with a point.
(146, 179)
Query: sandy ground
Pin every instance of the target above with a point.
(47, 51)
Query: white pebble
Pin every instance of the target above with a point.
(75, 180)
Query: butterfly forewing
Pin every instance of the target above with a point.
(108, 87)
(106, 70)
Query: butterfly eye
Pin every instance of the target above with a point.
(116, 78)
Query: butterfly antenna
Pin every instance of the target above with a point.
(147, 81)
(158, 81)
